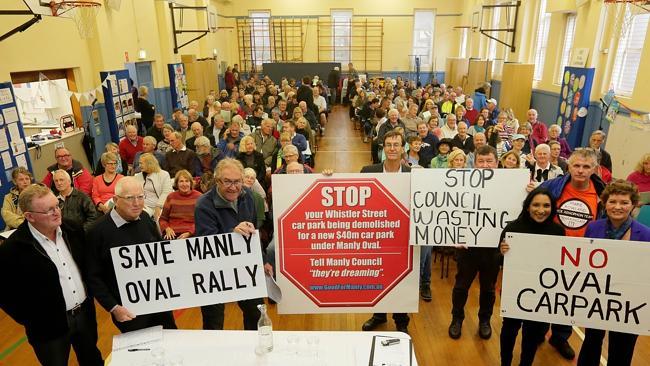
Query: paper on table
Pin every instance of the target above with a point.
(4, 143)
(14, 132)
(5, 96)
(11, 115)
(21, 160)
(275, 293)
(396, 354)
(147, 336)
(6, 160)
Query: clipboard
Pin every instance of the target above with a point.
(376, 342)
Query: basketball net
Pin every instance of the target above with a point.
(83, 13)
(623, 13)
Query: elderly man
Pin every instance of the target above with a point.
(81, 178)
(265, 142)
(484, 261)
(462, 140)
(197, 130)
(470, 112)
(156, 130)
(42, 281)
(229, 145)
(394, 149)
(309, 114)
(255, 120)
(596, 141)
(184, 127)
(494, 112)
(411, 121)
(541, 169)
(217, 129)
(148, 146)
(180, 157)
(539, 134)
(125, 224)
(78, 209)
(228, 207)
(449, 129)
(130, 145)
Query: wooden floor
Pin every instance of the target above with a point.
(343, 150)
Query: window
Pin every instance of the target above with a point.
(492, 45)
(341, 34)
(541, 40)
(569, 32)
(423, 21)
(628, 55)
(463, 42)
(261, 40)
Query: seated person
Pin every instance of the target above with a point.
(77, 209)
(81, 178)
(177, 218)
(229, 146)
(148, 146)
(163, 145)
(11, 213)
(104, 184)
(122, 165)
(251, 158)
(444, 148)
(197, 130)
(207, 155)
(290, 154)
(130, 144)
(156, 183)
(180, 157)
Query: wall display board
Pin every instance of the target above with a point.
(118, 101)
(178, 86)
(574, 103)
(13, 148)
(593, 283)
(342, 244)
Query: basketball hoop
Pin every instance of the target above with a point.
(82, 12)
(623, 12)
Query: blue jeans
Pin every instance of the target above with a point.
(425, 265)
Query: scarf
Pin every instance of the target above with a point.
(617, 234)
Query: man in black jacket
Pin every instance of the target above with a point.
(42, 277)
(77, 209)
(305, 94)
(393, 142)
(333, 84)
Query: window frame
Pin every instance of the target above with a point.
(342, 35)
(426, 61)
(541, 41)
(260, 56)
(567, 46)
(621, 69)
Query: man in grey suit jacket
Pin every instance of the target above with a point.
(394, 149)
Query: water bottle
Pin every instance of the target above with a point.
(264, 330)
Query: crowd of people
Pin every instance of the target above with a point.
(208, 169)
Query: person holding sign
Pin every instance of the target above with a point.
(125, 224)
(228, 207)
(393, 143)
(577, 204)
(42, 281)
(484, 261)
(620, 198)
(535, 218)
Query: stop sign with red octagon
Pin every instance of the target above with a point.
(344, 242)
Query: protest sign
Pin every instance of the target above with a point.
(342, 243)
(593, 283)
(464, 206)
(175, 274)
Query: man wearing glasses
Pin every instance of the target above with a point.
(81, 178)
(125, 224)
(42, 277)
(226, 208)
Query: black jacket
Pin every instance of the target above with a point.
(78, 211)
(30, 291)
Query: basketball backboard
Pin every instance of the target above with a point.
(43, 7)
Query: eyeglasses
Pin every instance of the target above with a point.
(63, 156)
(51, 212)
(230, 183)
(111, 163)
(132, 199)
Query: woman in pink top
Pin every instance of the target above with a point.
(104, 184)
(641, 174)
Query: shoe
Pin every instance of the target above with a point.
(425, 293)
(455, 328)
(372, 323)
(402, 328)
(484, 330)
(563, 347)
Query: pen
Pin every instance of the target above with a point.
(139, 349)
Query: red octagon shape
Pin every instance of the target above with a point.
(344, 242)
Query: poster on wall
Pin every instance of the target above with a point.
(593, 283)
(117, 105)
(124, 86)
(342, 244)
(118, 108)
(178, 86)
(574, 103)
(129, 103)
(121, 127)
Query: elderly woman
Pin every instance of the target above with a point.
(122, 165)
(251, 158)
(156, 183)
(163, 145)
(177, 217)
(510, 160)
(291, 154)
(278, 157)
(213, 110)
(11, 212)
(620, 198)
(207, 155)
(457, 159)
(556, 159)
(641, 174)
(148, 146)
(104, 184)
(554, 135)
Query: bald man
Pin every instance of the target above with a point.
(131, 144)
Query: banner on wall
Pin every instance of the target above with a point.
(593, 283)
(119, 102)
(467, 207)
(185, 273)
(574, 103)
(342, 244)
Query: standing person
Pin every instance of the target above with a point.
(42, 281)
(146, 109)
(535, 218)
(11, 212)
(229, 79)
(577, 204)
(228, 207)
(620, 198)
(333, 84)
(125, 224)
(393, 142)
(484, 261)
